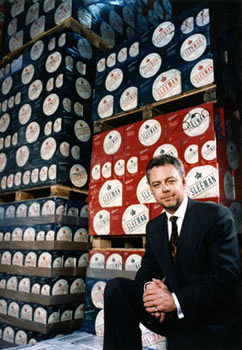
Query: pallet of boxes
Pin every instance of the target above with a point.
(46, 85)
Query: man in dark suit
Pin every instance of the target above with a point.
(185, 290)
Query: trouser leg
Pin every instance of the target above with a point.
(122, 307)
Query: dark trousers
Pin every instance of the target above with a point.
(124, 311)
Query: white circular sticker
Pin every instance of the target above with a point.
(143, 191)
(105, 106)
(7, 85)
(83, 88)
(27, 74)
(106, 170)
(150, 65)
(187, 25)
(111, 60)
(97, 293)
(119, 167)
(78, 109)
(37, 50)
(48, 148)
(43, 173)
(76, 152)
(53, 62)
(150, 132)
(52, 172)
(101, 65)
(82, 131)
(202, 182)
(208, 150)
(48, 128)
(78, 175)
(114, 262)
(57, 125)
(96, 172)
(22, 156)
(196, 122)
(51, 103)
(135, 219)
(129, 98)
(193, 47)
(65, 149)
(97, 261)
(112, 142)
(202, 18)
(50, 84)
(26, 177)
(202, 73)
(35, 175)
(163, 34)
(17, 178)
(191, 154)
(3, 161)
(35, 89)
(167, 84)
(122, 54)
(4, 122)
(32, 132)
(133, 262)
(24, 113)
(101, 223)
(114, 79)
(132, 165)
(134, 49)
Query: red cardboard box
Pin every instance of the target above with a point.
(114, 259)
(144, 134)
(132, 259)
(137, 190)
(155, 210)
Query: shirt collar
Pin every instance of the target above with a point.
(180, 212)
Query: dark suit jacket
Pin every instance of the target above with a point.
(207, 269)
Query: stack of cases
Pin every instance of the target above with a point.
(2, 17)
(176, 56)
(27, 19)
(29, 221)
(45, 97)
(120, 200)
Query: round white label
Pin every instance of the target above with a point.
(122, 54)
(202, 73)
(83, 88)
(37, 27)
(163, 34)
(27, 74)
(26, 177)
(101, 225)
(51, 103)
(48, 148)
(22, 156)
(53, 62)
(196, 122)
(48, 128)
(78, 175)
(187, 25)
(105, 106)
(111, 60)
(32, 132)
(202, 18)
(3, 161)
(143, 192)
(24, 113)
(97, 293)
(133, 262)
(57, 125)
(135, 218)
(132, 165)
(101, 65)
(191, 155)
(106, 170)
(193, 47)
(76, 152)
(129, 98)
(114, 79)
(150, 65)
(167, 84)
(134, 49)
(35, 89)
(35, 175)
(4, 122)
(149, 132)
(208, 150)
(65, 149)
(7, 85)
(112, 142)
(52, 172)
(37, 50)
(114, 262)
(43, 173)
(202, 182)
(82, 131)
(119, 167)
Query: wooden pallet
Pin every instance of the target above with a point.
(69, 23)
(119, 242)
(43, 192)
(183, 100)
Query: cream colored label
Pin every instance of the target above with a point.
(150, 338)
(22, 156)
(13, 309)
(3, 161)
(133, 262)
(202, 73)
(82, 131)
(96, 172)
(132, 165)
(63, 11)
(37, 27)
(54, 317)
(35, 89)
(83, 260)
(135, 219)
(29, 234)
(50, 235)
(32, 132)
(202, 17)
(143, 192)
(196, 122)
(208, 150)
(51, 44)
(17, 7)
(57, 125)
(193, 47)
(134, 49)
(26, 312)
(60, 287)
(83, 88)
(10, 211)
(78, 175)
(21, 211)
(24, 285)
(51, 103)
(24, 113)
(64, 234)
(10, 181)
(26, 177)
(81, 235)
(187, 25)
(53, 62)
(17, 178)
(163, 34)
(119, 167)
(21, 337)
(101, 222)
(18, 259)
(52, 172)
(166, 148)
(45, 260)
(78, 314)
(37, 50)
(106, 170)
(48, 5)
(12, 283)
(167, 84)
(114, 262)
(150, 132)
(40, 315)
(202, 182)
(111, 60)
(99, 324)
(31, 259)
(43, 173)
(40, 236)
(150, 65)
(122, 54)
(7, 141)
(105, 106)
(27, 74)
(112, 142)
(65, 149)
(129, 98)
(114, 79)
(17, 234)
(48, 208)
(16, 41)
(34, 209)
(50, 84)
(97, 293)
(4, 122)
(101, 65)
(81, 67)
(48, 148)
(111, 194)
(79, 109)
(76, 152)
(191, 155)
(35, 288)
(77, 286)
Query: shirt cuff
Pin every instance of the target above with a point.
(178, 306)
(146, 284)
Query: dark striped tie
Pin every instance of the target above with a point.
(174, 238)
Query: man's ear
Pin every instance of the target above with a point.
(184, 181)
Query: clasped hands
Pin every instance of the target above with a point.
(158, 300)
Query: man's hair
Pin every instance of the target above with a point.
(163, 160)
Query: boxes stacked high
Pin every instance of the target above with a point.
(120, 200)
(178, 55)
(28, 19)
(2, 18)
(46, 96)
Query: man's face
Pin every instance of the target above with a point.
(167, 186)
